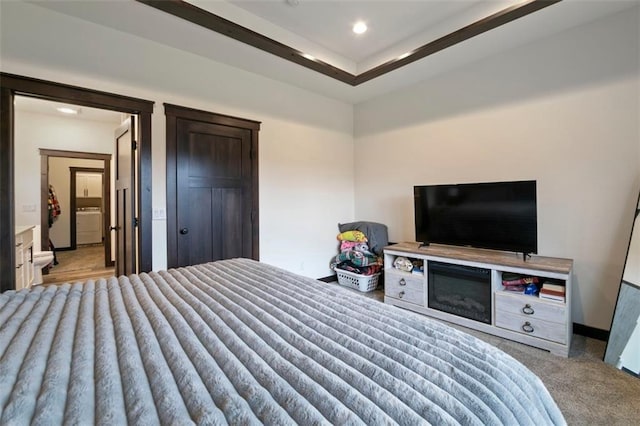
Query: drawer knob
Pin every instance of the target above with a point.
(528, 310)
(527, 327)
(401, 294)
(402, 282)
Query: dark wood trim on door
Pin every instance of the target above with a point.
(74, 154)
(44, 201)
(175, 112)
(143, 190)
(10, 85)
(7, 212)
(209, 117)
(213, 22)
(45, 154)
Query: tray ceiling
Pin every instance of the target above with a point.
(407, 41)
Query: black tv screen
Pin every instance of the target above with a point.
(495, 215)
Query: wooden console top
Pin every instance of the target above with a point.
(494, 257)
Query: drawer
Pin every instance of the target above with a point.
(407, 287)
(532, 326)
(26, 238)
(531, 307)
(19, 241)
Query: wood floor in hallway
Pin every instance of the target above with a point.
(84, 263)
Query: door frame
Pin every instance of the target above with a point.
(12, 85)
(124, 224)
(106, 203)
(45, 154)
(175, 112)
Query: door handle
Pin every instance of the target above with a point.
(184, 231)
(114, 228)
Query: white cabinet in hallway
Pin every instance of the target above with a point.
(89, 185)
(24, 257)
(88, 227)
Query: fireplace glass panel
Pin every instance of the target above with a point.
(460, 290)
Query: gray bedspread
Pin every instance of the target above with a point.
(241, 342)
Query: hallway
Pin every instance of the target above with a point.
(84, 263)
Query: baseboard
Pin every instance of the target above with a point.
(592, 332)
(329, 279)
(63, 249)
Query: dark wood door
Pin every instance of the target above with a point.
(214, 192)
(212, 186)
(125, 229)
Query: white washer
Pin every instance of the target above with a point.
(88, 227)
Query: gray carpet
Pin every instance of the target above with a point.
(588, 391)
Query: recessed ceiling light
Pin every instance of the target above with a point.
(69, 110)
(359, 27)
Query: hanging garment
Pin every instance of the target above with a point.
(53, 205)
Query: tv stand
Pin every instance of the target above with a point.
(527, 319)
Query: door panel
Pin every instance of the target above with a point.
(198, 240)
(125, 232)
(214, 185)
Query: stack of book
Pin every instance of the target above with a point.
(552, 291)
(517, 283)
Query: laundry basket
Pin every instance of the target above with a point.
(364, 283)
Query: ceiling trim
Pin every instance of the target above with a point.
(483, 25)
(213, 22)
(216, 23)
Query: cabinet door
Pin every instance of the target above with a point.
(94, 185)
(20, 266)
(81, 185)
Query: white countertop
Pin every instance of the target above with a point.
(23, 228)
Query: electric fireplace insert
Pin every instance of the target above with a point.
(460, 290)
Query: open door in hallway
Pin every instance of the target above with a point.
(126, 222)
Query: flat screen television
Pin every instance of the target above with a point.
(494, 215)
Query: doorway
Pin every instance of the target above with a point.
(212, 163)
(12, 85)
(90, 211)
(61, 232)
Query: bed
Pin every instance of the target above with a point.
(241, 342)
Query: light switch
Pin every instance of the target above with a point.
(159, 214)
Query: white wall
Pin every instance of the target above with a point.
(305, 154)
(563, 111)
(35, 131)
